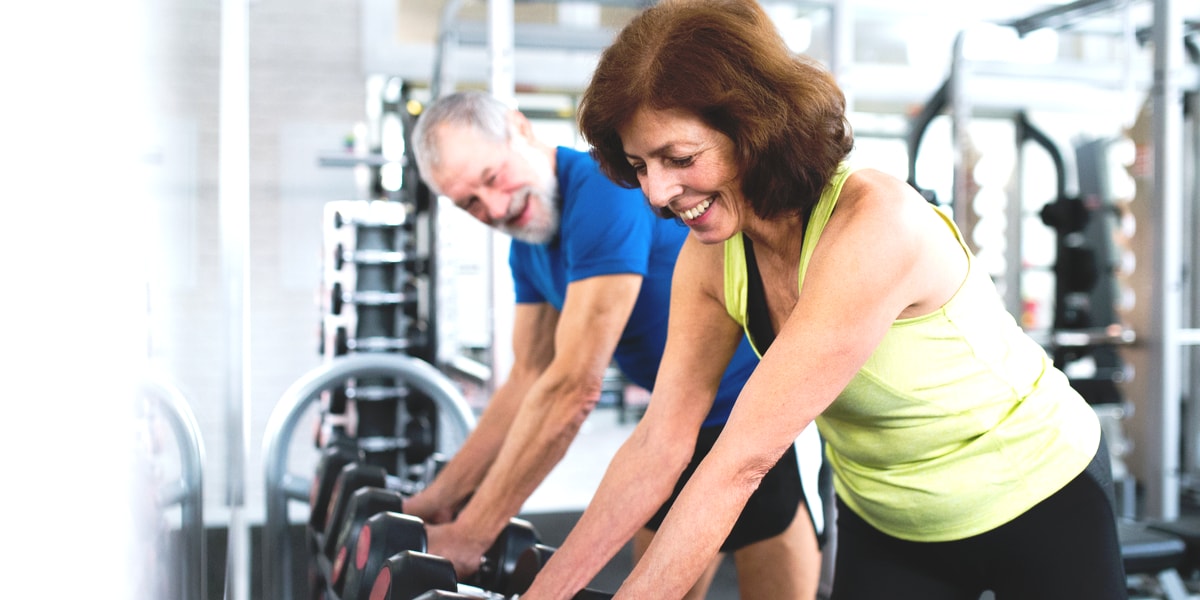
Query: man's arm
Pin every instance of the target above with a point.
(701, 339)
(594, 315)
(533, 350)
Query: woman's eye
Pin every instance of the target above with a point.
(682, 162)
(639, 169)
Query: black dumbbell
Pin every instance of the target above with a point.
(530, 564)
(409, 574)
(333, 458)
(381, 536)
(337, 298)
(352, 478)
(422, 442)
(527, 567)
(501, 558)
(364, 504)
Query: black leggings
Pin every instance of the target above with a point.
(1065, 547)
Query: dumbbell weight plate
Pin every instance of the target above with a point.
(422, 444)
(329, 466)
(364, 503)
(337, 298)
(501, 558)
(381, 536)
(408, 574)
(528, 565)
(352, 478)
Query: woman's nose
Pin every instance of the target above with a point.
(658, 187)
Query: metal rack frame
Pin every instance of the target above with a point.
(281, 486)
(188, 490)
(1163, 338)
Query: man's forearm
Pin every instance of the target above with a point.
(463, 474)
(544, 428)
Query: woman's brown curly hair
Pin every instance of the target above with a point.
(724, 61)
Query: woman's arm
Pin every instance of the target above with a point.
(866, 271)
(701, 339)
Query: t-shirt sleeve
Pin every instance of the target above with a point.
(608, 231)
(523, 288)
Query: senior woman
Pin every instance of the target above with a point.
(963, 460)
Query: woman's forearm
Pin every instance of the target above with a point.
(639, 479)
(700, 520)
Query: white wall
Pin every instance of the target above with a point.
(306, 92)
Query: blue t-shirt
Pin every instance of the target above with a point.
(605, 230)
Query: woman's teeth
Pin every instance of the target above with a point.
(696, 211)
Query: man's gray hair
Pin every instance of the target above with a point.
(477, 110)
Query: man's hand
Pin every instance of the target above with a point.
(425, 507)
(450, 542)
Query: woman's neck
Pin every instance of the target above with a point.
(776, 239)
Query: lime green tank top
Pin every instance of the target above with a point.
(944, 453)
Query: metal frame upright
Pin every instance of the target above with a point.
(1162, 336)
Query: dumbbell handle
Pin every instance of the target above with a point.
(478, 592)
(475, 592)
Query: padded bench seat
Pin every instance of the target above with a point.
(1188, 529)
(1148, 550)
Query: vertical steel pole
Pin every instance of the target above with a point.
(960, 118)
(502, 83)
(233, 199)
(841, 55)
(1163, 340)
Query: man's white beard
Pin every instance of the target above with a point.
(542, 228)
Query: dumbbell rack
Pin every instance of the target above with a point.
(378, 287)
(367, 548)
(377, 390)
(283, 486)
(376, 300)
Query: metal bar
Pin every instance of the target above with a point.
(1191, 317)
(441, 83)
(1061, 15)
(502, 84)
(542, 36)
(841, 51)
(960, 116)
(1014, 229)
(920, 124)
(233, 199)
(501, 42)
(281, 486)
(189, 491)
(1163, 418)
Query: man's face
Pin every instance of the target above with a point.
(510, 186)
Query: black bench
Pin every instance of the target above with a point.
(1148, 550)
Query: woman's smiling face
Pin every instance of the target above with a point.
(686, 169)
